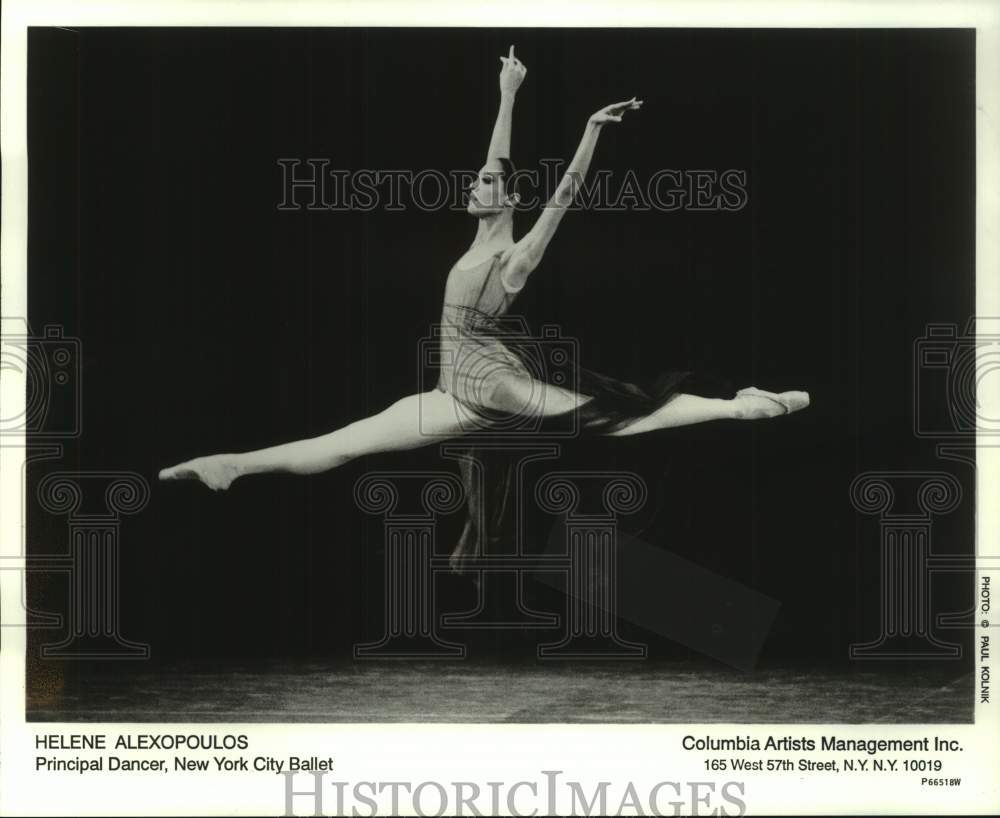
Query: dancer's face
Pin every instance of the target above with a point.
(487, 194)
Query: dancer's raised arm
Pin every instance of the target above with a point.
(511, 76)
(528, 252)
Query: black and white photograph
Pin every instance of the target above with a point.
(590, 377)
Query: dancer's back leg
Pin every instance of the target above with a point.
(414, 421)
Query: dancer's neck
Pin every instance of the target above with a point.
(495, 229)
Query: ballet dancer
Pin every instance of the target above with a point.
(485, 378)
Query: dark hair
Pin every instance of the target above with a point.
(509, 175)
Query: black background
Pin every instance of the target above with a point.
(211, 321)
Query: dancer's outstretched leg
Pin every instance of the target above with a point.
(414, 421)
(528, 395)
(748, 404)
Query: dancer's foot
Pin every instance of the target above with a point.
(753, 403)
(217, 471)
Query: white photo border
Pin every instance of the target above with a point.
(643, 754)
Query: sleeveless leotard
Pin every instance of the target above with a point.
(474, 356)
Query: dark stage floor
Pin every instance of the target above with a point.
(567, 692)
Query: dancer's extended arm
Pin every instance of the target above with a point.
(528, 252)
(511, 76)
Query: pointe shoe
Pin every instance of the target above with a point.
(217, 472)
(788, 401)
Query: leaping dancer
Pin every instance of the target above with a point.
(486, 379)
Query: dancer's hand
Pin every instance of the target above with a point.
(512, 74)
(614, 112)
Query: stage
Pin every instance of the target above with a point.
(546, 692)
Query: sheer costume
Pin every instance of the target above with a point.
(490, 365)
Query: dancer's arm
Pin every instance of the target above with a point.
(511, 76)
(528, 252)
